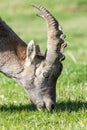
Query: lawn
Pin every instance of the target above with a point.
(16, 111)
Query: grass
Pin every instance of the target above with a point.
(16, 111)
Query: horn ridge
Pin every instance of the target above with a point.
(55, 42)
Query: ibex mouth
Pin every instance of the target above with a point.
(49, 106)
(50, 109)
(41, 106)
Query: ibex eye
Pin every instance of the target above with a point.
(45, 74)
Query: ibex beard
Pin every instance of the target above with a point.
(37, 73)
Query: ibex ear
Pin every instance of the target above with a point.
(31, 51)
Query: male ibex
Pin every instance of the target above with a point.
(37, 73)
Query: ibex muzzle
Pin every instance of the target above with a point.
(37, 73)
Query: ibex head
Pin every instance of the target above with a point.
(36, 72)
(45, 68)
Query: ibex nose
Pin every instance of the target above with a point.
(50, 107)
(49, 103)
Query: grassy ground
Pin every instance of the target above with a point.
(16, 112)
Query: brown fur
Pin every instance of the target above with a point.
(13, 41)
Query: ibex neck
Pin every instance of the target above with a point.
(12, 51)
(11, 68)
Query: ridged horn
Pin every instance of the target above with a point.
(54, 35)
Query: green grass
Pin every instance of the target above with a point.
(16, 111)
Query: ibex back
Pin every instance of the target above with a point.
(37, 73)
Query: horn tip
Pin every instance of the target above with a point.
(35, 5)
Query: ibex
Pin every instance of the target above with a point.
(25, 64)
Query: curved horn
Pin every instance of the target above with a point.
(54, 35)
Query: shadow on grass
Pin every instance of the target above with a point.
(71, 106)
(17, 108)
(68, 106)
